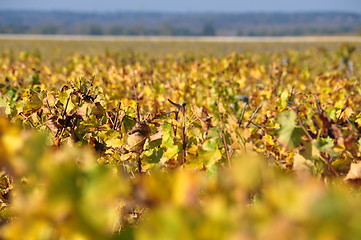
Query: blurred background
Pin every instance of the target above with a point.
(182, 18)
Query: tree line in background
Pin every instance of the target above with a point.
(97, 29)
(179, 24)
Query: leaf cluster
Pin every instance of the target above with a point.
(249, 145)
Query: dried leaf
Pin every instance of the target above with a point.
(354, 172)
(137, 136)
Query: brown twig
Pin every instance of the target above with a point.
(329, 165)
(278, 83)
(181, 108)
(176, 114)
(339, 117)
(28, 119)
(116, 117)
(66, 106)
(47, 103)
(291, 95)
(303, 127)
(240, 121)
(184, 139)
(224, 140)
(318, 104)
(136, 98)
(139, 162)
(110, 118)
(253, 116)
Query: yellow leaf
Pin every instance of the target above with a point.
(268, 139)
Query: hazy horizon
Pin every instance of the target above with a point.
(186, 6)
(178, 12)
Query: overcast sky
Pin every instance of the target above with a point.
(186, 5)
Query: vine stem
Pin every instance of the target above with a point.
(303, 127)
(139, 162)
(184, 140)
(253, 116)
(226, 148)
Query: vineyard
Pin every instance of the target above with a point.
(127, 145)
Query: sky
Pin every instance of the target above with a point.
(185, 5)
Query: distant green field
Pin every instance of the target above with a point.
(53, 46)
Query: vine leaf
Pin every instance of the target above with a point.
(137, 136)
(303, 166)
(289, 134)
(209, 153)
(326, 145)
(168, 142)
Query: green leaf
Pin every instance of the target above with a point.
(127, 123)
(30, 104)
(326, 145)
(210, 153)
(213, 132)
(289, 134)
(63, 98)
(36, 79)
(168, 142)
(155, 143)
(153, 155)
